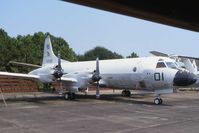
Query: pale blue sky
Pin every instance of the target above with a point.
(84, 28)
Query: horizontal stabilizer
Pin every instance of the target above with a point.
(156, 53)
(24, 64)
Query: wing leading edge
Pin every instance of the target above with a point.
(32, 77)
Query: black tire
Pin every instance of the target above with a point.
(156, 101)
(66, 96)
(128, 93)
(124, 93)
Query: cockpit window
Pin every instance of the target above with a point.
(172, 65)
(160, 65)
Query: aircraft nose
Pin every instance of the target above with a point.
(184, 78)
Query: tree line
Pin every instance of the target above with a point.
(29, 49)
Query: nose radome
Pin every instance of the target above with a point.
(184, 78)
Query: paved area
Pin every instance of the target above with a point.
(110, 114)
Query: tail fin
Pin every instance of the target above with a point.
(48, 54)
(190, 66)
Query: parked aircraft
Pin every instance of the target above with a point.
(158, 74)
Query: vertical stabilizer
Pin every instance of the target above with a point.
(48, 54)
(190, 66)
(195, 66)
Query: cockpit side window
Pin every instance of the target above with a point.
(172, 65)
(160, 65)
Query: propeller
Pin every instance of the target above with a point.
(96, 78)
(58, 73)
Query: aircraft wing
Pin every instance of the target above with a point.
(32, 77)
(19, 75)
(73, 80)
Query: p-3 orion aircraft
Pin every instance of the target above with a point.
(157, 74)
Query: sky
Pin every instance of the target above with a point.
(85, 28)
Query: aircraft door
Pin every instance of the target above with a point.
(148, 78)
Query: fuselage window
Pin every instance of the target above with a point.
(160, 65)
(171, 65)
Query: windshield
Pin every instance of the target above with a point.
(171, 65)
(160, 65)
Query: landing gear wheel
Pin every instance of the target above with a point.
(126, 93)
(123, 93)
(66, 96)
(158, 101)
(69, 96)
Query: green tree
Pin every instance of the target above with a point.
(8, 50)
(100, 52)
(133, 55)
(29, 49)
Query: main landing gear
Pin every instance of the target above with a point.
(158, 101)
(126, 93)
(69, 96)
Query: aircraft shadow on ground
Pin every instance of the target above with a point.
(134, 99)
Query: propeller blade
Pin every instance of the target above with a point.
(97, 78)
(96, 75)
(97, 66)
(98, 91)
(60, 87)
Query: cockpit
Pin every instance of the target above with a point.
(166, 64)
